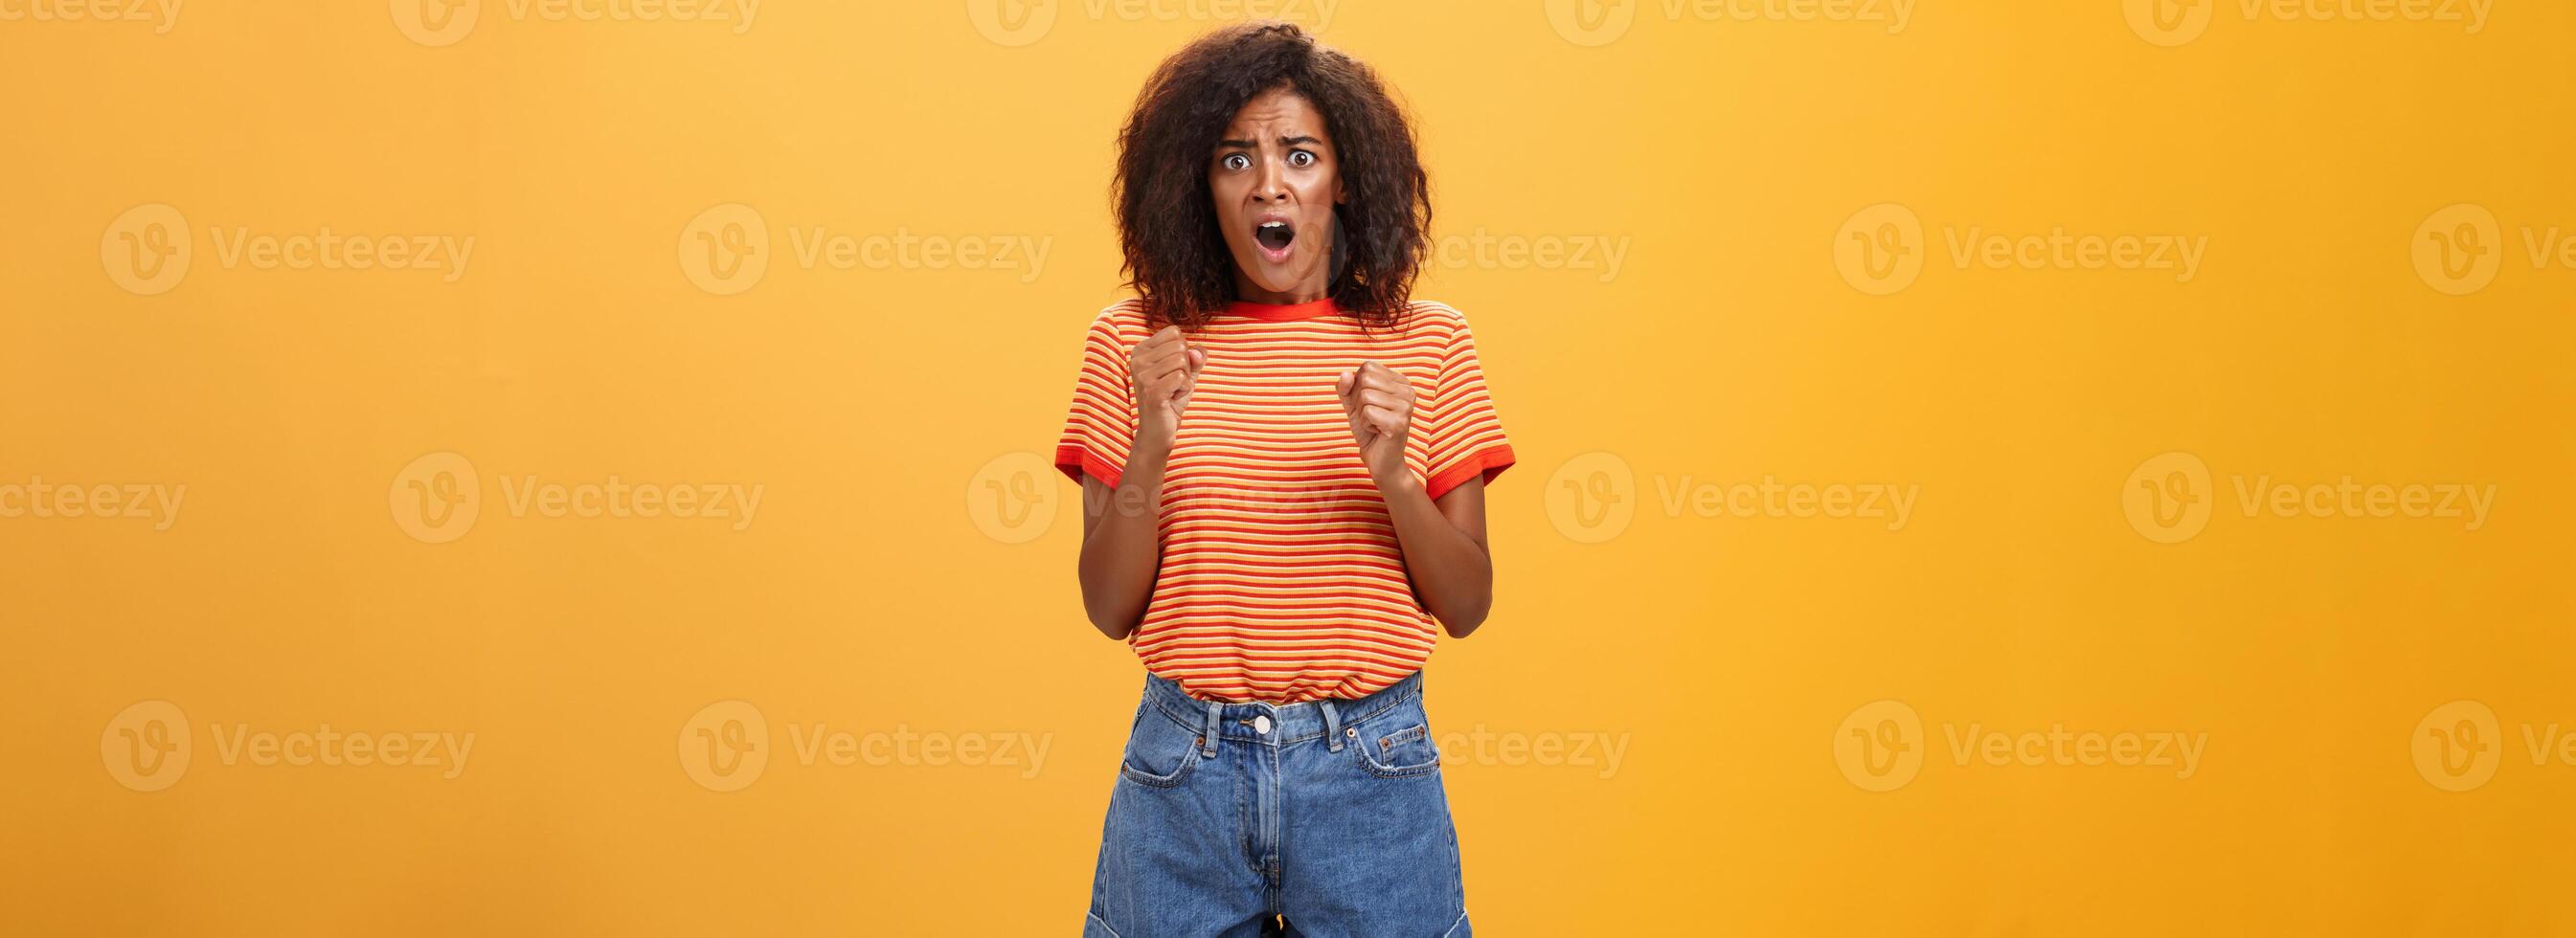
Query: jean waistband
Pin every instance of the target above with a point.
(1284, 723)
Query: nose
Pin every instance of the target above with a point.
(1272, 186)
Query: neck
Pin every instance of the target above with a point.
(1249, 292)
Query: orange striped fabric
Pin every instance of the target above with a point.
(1281, 577)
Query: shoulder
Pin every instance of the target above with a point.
(1434, 318)
(1123, 320)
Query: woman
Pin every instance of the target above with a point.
(1283, 459)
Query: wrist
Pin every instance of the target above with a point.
(1149, 451)
(1404, 482)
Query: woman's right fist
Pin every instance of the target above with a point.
(1162, 370)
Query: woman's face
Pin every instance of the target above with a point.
(1275, 182)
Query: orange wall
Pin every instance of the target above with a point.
(2030, 312)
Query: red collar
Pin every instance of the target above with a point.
(1274, 312)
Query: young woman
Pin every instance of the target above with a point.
(1283, 459)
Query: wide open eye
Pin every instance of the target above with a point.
(1236, 161)
(1301, 159)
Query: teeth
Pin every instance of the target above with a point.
(1274, 224)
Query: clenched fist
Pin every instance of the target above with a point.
(1161, 371)
(1380, 405)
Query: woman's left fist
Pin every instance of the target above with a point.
(1380, 405)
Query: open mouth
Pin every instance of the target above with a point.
(1274, 236)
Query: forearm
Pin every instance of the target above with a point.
(1120, 547)
(1452, 574)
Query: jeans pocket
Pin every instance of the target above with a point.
(1160, 752)
(1405, 752)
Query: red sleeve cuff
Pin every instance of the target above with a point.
(1488, 462)
(1076, 462)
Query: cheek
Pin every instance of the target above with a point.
(1229, 208)
(1322, 188)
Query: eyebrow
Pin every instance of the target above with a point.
(1283, 141)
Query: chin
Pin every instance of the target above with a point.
(1277, 284)
(1272, 279)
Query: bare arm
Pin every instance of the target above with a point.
(1445, 552)
(1444, 542)
(1120, 552)
(1121, 549)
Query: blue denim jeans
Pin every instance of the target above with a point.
(1230, 816)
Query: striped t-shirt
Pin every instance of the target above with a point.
(1281, 577)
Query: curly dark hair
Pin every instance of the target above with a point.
(1176, 259)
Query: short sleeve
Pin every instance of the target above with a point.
(1102, 422)
(1465, 437)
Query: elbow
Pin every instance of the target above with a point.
(1462, 620)
(1117, 628)
(1113, 618)
(1114, 623)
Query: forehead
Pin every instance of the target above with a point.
(1275, 113)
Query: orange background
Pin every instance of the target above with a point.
(909, 568)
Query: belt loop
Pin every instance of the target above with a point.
(1215, 725)
(1332, 724)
